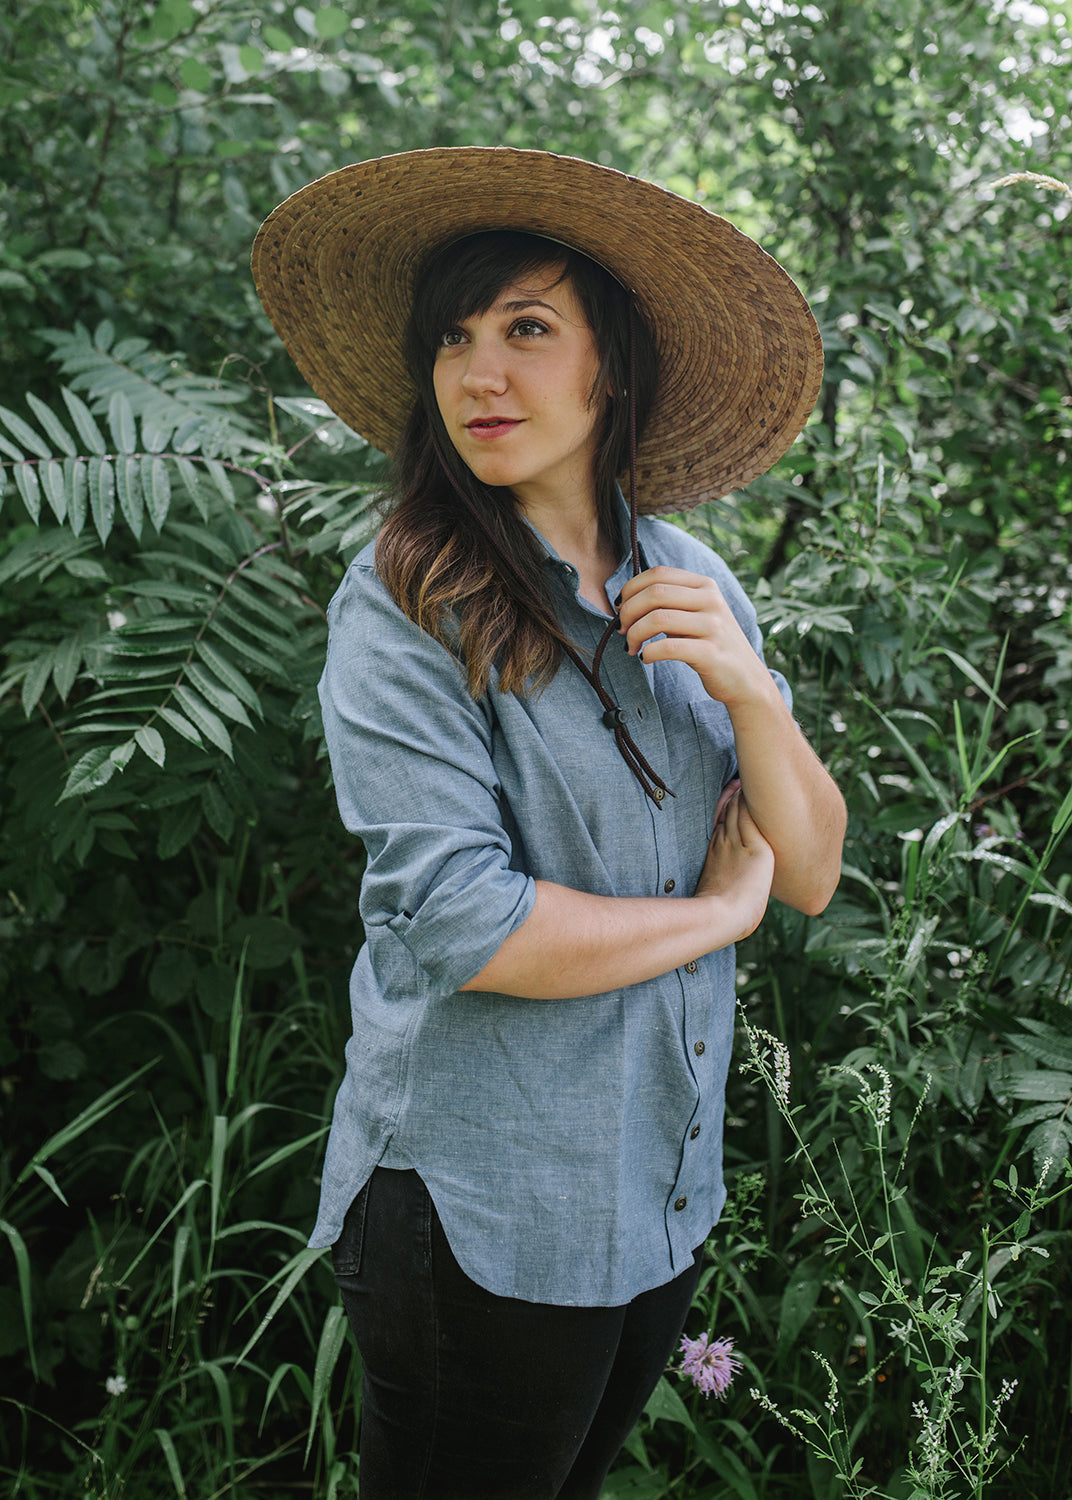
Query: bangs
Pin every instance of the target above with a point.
(463, 280)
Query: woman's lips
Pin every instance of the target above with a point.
(491, 427)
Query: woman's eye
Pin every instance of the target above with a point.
(527, 328)
(451, 338)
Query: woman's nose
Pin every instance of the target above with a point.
(485, 369)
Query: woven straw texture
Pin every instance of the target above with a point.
(740, 357)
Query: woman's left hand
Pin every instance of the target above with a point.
(698, 627)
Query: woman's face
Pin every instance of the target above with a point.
(514, 387)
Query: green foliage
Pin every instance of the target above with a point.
(178, 909)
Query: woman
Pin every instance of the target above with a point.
(577, 784)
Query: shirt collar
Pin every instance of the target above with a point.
(622, 573)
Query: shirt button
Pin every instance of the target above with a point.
(694, 1132)
(699, 1048)
(668, 886)
(680, 1204)
(690, 967)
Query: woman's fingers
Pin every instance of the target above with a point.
(728, 791)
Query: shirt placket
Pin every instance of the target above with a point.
(630, 683)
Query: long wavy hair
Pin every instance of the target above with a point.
(454, 553)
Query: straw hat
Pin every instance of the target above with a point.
(740, 358)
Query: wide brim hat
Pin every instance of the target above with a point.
(740, 358)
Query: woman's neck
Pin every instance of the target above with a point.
(576, 535)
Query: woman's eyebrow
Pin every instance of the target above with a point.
(525, 302)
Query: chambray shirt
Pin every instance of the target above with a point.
(573, 1148)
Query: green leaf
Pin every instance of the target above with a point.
(251, 58)
(156, 486)
(52, 425)
(209, 723)
(195, 75)
(229, 675)
(218, 811)
(151, 741)
(171, 1459)
(277, 39)
(222, 700)
(52, 482)
(128, 486)
(181, 725)
(177, 827)
(221, 479)
(22, 1271)
(191, 479)
(29, 489)
(33, 683)
(76, 480)
(665, 1405)
(90, 771)
(331, 22)
(23, 433)
(1042, 1085)
(332, 1338)
(121, 421)
(68, 659)
(102, 496)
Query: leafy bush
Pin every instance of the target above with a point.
(179, 906)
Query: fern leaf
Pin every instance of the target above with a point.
(157, 488)
(76, 484)
(29, 489)
(51, 475)
(84, 422)
(229, 675)
(177, 827)
(221, 478)
(90, 771)
(1048, 1046)
(68, 659)
(1050, 1144)
(151, 741)
(223, 701)
(102, 496)
(181, 725)
(121, 421)
(23, 433)
(128, 487)
(1042, 1085)
(52, 425)
(208, 722)
(33, 683)
(191, 479)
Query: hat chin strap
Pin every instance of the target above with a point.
(613, 716)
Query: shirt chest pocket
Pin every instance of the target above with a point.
(717, 751)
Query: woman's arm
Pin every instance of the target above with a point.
(573, 944)
(788, 791)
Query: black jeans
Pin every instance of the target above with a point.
(470, 1396)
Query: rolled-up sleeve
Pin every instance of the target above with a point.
(410, 752)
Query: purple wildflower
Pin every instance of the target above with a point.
(709, 1365)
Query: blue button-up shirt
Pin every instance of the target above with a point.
(573, 1148)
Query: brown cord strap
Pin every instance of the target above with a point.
(613, 716)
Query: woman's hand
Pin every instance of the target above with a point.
(699, 629)
(739, 867)
(792, 803)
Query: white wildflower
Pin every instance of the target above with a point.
(115, 1385)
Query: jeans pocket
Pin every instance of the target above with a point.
(346, 1251)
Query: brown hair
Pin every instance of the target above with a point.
(454, 553)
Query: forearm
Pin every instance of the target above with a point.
(575, 944)
(791, 795)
